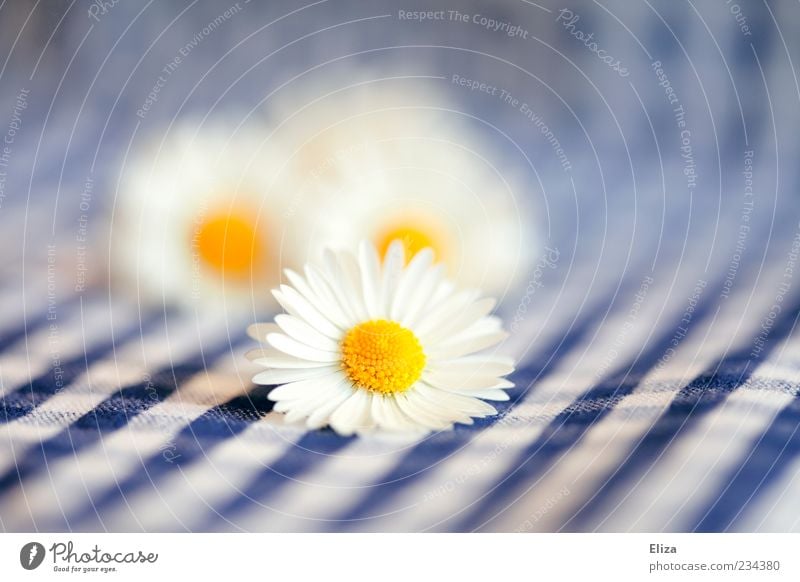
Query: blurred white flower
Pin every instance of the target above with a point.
(197, 219)
(383, 161)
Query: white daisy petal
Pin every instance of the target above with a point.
(437, 406)
(470, 365)
(321, 416)
(281, 376)
(353, 414)
(320, 296)
(392, 271)
(498, 395)
(304, 333)
(468, 345)
(370, 268)
(441, 293)
(352, 276)
(379, 414)
(422, 295)
(390, 416)
(259, 331)
(472, 406)
(440, 315)
(302, 287)
(413, 409)
(463, 382)
(304, 407)
(409, 281)
(489, 324)
(335, 312)
(462, 321)
(296, 305)
(285, 361)
(304, 389)
(294, 348)
(282, 406)
(347, 291)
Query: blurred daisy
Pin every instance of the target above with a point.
(195, 221)
(366, 345)
(439, 195)
(393, 159)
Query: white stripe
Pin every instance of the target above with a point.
(88, 390)
(183, 499)
(72, 481)
(682, 482)
(315, 496)
(774, 510)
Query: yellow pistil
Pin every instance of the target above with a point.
(416, 233)
(382, 356)
(228, 241)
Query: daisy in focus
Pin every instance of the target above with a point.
(367, 345)
(197, 219)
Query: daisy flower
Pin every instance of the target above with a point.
(435, 194)
(394, 159)
(196, 219)
(366, 344)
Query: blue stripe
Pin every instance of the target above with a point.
(438, 447)
(113, 414)
(692, 403)
(32, 324)
(22, 401)
(771, 456)
(109, 416)
(192, 443)
(312, 448)
(568, 428)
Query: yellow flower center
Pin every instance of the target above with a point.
(382, 356)
(416, 234)
(228, 241)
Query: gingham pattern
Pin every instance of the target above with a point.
(626, 416)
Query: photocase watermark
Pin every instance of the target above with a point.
(14, 126)
(744, 226)
(96, 560)
(739, 17)
(630, 320)
(100, 8)
(679, 113)
(197, 260)
(316, 175)
(549, 260)
(478, 466)
(685, 323)
(492, 24)
(31, 555)
(542, 510)
(168, 449)
(568, 19)
(760, 341)
(53, 331)
(526, 110)
(169, 69)
(82, 235)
